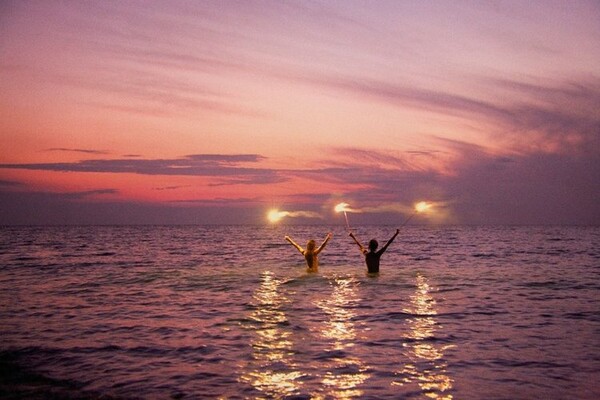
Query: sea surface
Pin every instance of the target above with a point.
(161, 312)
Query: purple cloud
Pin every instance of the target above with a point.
(170, 187)
(10, 184)
(484, 188)
(531, 189)
(88, 193)
(405, 96)
(86, 151)
(35, 208)
(227, 167)
(564, 114)
(536, 188)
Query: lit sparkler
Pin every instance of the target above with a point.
(275, 215)
(420, 207)
(344, 207)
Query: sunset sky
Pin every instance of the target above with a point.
(218, 111)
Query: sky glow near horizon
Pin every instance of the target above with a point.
(181, 112)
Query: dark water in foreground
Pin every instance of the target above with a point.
(193, 312)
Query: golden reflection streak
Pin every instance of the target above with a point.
(340, 330)
(427, 368)
(272, 347)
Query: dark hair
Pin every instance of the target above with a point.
(373, 244)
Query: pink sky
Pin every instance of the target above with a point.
(217, 111)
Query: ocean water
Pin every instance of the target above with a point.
(229, 312)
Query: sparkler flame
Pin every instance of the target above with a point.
(422, 206)
(276, 215)
(342, 207)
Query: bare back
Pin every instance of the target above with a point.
(312, 261)
(311, 255)
(372, 260)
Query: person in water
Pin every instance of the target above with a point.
(372, 255)
(310, 254)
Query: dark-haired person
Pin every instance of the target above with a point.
(372, 255)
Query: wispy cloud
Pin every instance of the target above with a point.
(554, 118)
(86, 151)
(410, 96)
(10, 184)
(227, 166)
(565, 113)
(397, 160)
(507, 78)
(529, 188)
(171, 187)
(221, 201)
(70, 208)
(63, 196)
(483, 188)
(88, 193)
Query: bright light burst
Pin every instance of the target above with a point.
(342, 207)
(422, 206)
(276, 215)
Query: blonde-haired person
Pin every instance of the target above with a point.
(310, 253)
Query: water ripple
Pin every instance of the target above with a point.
(188, 312)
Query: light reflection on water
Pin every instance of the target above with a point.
(426, 367)
(272, 371)
(188, 312)
(345, 371)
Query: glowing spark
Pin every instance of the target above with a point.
(276, 215)
(342, 207)
(422, 206)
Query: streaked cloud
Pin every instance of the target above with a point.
(85, 151)
(34, 208)
(88, 193)
(565, 113)
(483, 186)
(490, 110)
(229, 167)
(10, 184)
(171, 187)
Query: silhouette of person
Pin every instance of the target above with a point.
(372, 255)
(310, 254)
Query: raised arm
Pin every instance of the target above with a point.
(360, 246)
(322, 246)
(384, 248)
(296, 245)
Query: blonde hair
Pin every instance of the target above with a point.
(310, 246)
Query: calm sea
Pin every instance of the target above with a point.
(229, 312)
